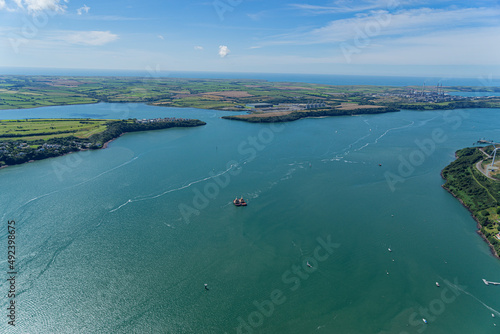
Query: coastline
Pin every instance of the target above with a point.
(104, 146)
(478, 225)
(279, 117)
(107, 143)
(62, 155)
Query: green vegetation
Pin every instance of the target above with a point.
(26, 140)
(33, 129)
(478, 193)
(295, 115)
(19, 92)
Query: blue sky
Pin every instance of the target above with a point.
(370, 37)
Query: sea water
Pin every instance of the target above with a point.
(122, 240)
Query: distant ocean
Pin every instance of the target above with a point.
(329, 79)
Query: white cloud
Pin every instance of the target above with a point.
(19, 3)
(349, 6)
(379, 23)
(41, 5)
(161, 37)
(338, 8)
(197, 47)
(34, 6)
(88, 37)
(113, 18)
(85, 9)
(257, 16)
(223, 50)
(462, 47)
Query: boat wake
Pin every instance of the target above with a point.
(83, 182)
(75, 185)
(148, 198)
(422, 123)
(346, 151)
(470, 294)
(384, 134)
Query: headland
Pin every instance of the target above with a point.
(477, 192)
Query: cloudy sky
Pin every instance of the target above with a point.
(374, 37)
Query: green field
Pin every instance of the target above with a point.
(20, 92)
(34, 129)
(36, 139)
(478, 193)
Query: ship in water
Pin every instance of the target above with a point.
(239, 202)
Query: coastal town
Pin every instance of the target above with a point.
(429, 95)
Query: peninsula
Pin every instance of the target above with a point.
(476, 184)
(35, 139)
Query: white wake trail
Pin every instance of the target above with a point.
(79, 184)
(173, 190)
(384, 134)
(477, 299)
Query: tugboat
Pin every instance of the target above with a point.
(239, 202)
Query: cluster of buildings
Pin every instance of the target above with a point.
(423, 96)
(18, 149)
(6, 147)
(431, 95)
(269, 107)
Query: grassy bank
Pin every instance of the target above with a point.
(481, 195)
(36, 139)
(34, 129)
(274, 117)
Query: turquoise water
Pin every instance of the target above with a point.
(122, 240)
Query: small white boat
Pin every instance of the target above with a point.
(437, 284)
(308, 264)
(390, 250)
(423, 319)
